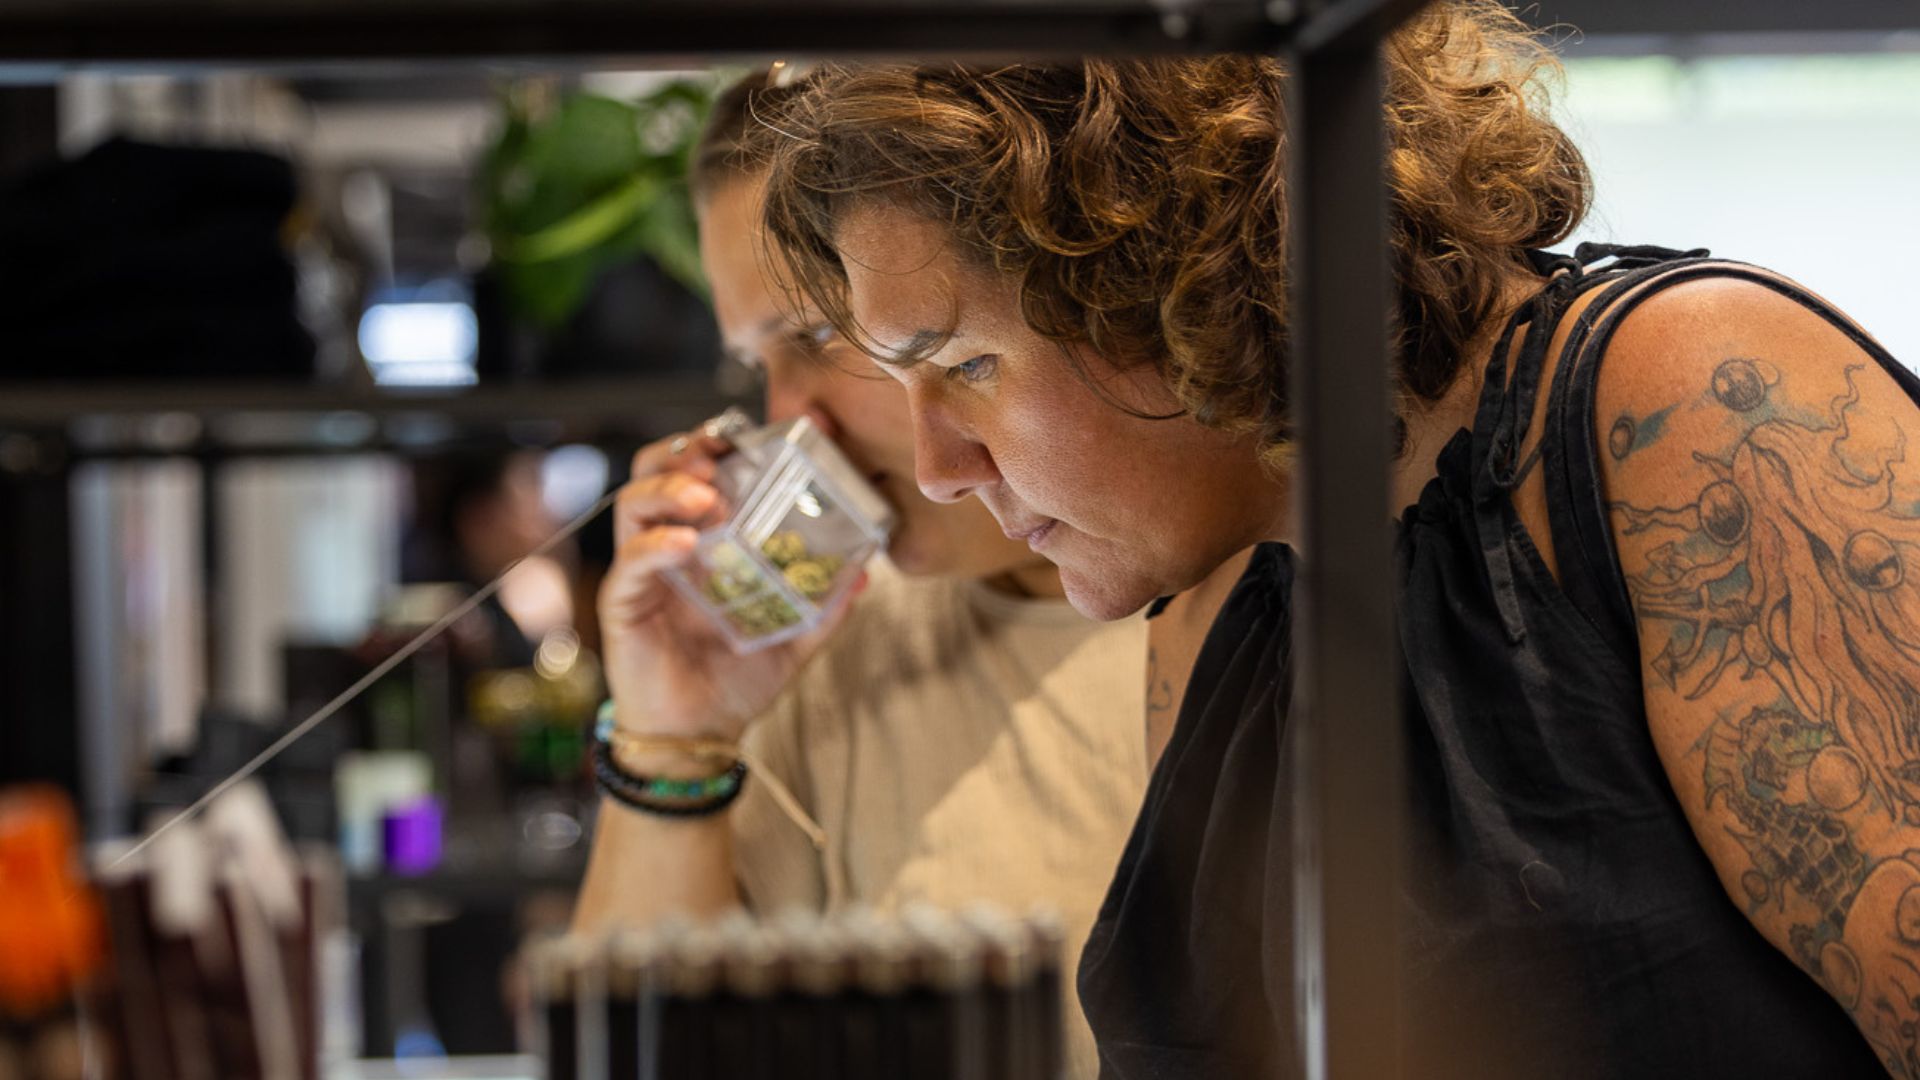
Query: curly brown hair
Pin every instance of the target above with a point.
(1142, 203)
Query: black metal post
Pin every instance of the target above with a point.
(39, 736)
(139, 34)
(1349, 794)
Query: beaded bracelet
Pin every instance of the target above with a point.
(648, 793)
(619, 784)
(713, 793)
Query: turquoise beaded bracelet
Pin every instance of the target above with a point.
(688, 798)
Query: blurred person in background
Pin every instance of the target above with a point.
(477, 514)
(959, 735)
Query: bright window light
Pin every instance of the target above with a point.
(420, 342)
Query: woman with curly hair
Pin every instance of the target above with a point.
(1660, 656)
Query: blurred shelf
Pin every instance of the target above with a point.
(491, 885)
(119, 418)
(39, 402)
(501, 1067)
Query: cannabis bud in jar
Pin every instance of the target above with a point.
(738, 584)
(803, 518)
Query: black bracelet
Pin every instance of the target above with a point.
(647, 794)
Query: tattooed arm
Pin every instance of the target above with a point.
(1768, 523)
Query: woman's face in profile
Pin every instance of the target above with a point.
(862, 410)
(1128, 508)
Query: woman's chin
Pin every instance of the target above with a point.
(1105, 597)
(916, 559)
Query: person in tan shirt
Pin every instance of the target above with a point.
(959, 733)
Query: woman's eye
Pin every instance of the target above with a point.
(815, 343)
(975, 370)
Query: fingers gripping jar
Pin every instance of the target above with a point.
(802, 523)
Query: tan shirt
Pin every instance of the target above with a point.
(956, 745)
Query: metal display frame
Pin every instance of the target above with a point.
(1349, 773)
(1349, 788)
(59, 34)
(599, 31)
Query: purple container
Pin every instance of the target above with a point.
(412, 831)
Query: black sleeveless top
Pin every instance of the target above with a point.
(1562, 919)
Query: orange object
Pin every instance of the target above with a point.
(50, 930)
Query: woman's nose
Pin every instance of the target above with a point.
(949, 462)
(787, 397)
(823, 420)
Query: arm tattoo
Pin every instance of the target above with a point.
(1629, 434)
(1779, 600)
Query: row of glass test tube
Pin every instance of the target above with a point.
(854, 996)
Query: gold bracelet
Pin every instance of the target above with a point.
(710, 748)
(697, 747)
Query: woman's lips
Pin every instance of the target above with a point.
(1035, 537)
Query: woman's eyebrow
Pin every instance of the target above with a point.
(918, 347)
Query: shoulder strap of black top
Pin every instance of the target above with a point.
(1589, 566)
(1506, 405)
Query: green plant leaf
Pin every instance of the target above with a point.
(588, 227)
(550, 292)
(670, 233)
(565, 196)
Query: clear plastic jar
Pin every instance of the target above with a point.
(802, 525)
